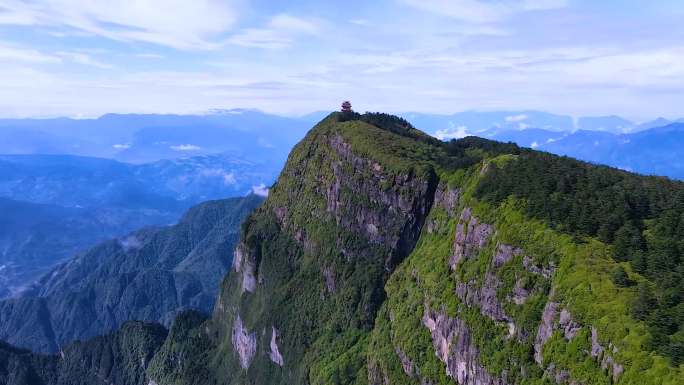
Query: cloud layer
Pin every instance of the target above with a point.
(89, 57)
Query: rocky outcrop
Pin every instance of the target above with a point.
(274, 354)
(406, 363)
(504, 253)
(519, 294)
(532, 267)
(604, 357)
(329, 278)
(454, 346)
(447, 198)
(244, 263)
(569, 326)
(394, 216)
(483, 297)
(244, 343)
(545, 329)
(471, 236)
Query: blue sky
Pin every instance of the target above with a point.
(89, 57)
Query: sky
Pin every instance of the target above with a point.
(578, 57)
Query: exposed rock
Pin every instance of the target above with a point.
(455, 348)
(569, 326)
(447, 198)
(243, 263)
(281, 214)
(519, 294)
(275, 355)
(248, 277)
(406, 362)
(237, 257)
(375, 374)
(596, 348)
(504, 253)
(395, 214)
(484, 297)
(329, 277)
(546, 271)
(545, 329)
(471, 236)
(244, 343)
(607, 361)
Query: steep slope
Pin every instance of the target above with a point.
(504, 286)
(148, 275)
(382, 256)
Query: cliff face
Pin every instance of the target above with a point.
(309, 272)
(384, 257)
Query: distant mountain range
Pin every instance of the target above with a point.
(476, 122)
(56, 205)
(136, 138)
(149, 275)
(655, 151)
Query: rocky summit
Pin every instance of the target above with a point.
(384, 256)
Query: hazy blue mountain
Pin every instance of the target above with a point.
(659, 122)
(150, 137)
(478, 121)
(34, 237)
(655, 151)
(170, 185)
(56, 205)
(614, 124)
(149, 275)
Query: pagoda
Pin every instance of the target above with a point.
(346, 106)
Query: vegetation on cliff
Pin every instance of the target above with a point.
(383, 256)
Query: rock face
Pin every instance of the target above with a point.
(471, 236)
(396, 215)
(149, 275)
(275, 355)
(545, 329)
(334, 227)
(454, 347)
(485, 296)
(244, 343)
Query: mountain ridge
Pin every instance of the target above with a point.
(148, 275)
(385, 256)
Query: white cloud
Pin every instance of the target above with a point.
(83, 59)
(260, 190)
(452, 133)
(540, 5)
(121, 146)
(13, 53)
(516, 118)
(228, 177)
(185, 147)
(284, 22)
(534, 145)
(280, 32)
(480, 11)
(175, 23)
